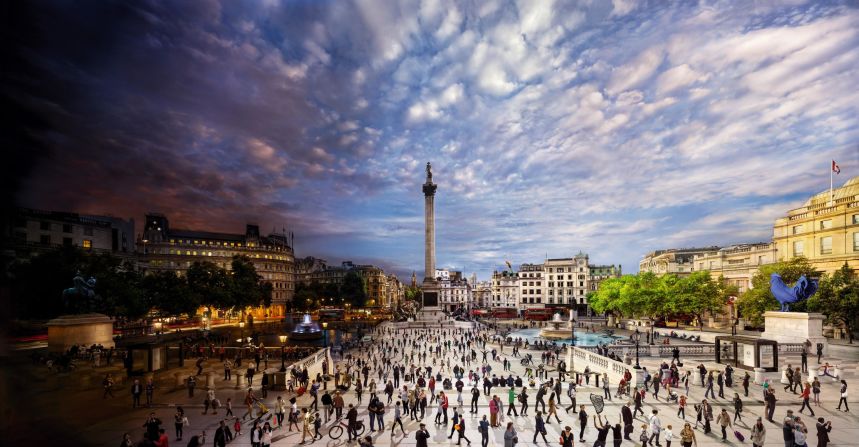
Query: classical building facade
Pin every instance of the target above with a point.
(531, 286)
(396, 292)
(825, 230)
(454, 290)
(481, 294)
(34, 231)
(505, 289)
(569, 281)
(382, 289)
(677, 261)
(737, 264)
(165, 248)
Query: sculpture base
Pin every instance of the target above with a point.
(556, 334)
(84, 329)
(794, 327)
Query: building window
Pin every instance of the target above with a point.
(856, 241)
(797, 229)
(45, 226)
(87, 244)
(826, 224)
(45, 239)
(798, 248)
(826, 245)
(67, 228)
(855, 219)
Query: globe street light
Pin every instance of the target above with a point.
(282, 343)
(636, 336)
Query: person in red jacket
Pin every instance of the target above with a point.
(443, 398)
(805, 396)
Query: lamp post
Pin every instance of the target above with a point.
(636, 336)
(282, 343)
(324, 334)
(652, 326)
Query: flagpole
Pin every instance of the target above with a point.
(830, 181)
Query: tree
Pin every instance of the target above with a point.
(169, 293)
(838, 299)
(697, 294)
(209, 284)
(758, 299)
(607, 298)
(352, 290)
(246, 285)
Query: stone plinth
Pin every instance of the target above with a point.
(84, 329)
(794, 327)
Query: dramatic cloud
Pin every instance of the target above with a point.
(553, 127)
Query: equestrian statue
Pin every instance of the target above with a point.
(81, 297)
(785, 295)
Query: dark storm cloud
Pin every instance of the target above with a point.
(169, 106)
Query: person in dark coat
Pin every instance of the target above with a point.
(626, 415)
(221, 435)
(421, 436)
(823, 429)
(152, 425)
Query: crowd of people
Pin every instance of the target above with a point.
(426, 377)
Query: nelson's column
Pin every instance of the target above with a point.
(429, 288)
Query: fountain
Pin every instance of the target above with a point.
(306, 330)
(559, 329)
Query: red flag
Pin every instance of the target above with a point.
(835, 167)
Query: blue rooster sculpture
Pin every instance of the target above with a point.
(785, 295)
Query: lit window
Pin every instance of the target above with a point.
(87, 243)
(826, 245)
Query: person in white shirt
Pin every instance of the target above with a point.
(655, 429)
(667, 435)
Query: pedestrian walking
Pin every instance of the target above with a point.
(539, 427)
(843, 398)
(724, 421)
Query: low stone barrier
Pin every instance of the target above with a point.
(600, 365)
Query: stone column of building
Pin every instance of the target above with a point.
(429, 220)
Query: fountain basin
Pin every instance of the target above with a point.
(306, 330)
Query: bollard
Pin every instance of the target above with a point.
(180, 380)
(238, 379)
(759, 376)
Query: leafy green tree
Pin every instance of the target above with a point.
(697, 294)
(758, 299)
(169, 294)
(246, 285)
(838, 299)
(209, 284)
(37, 284)
(352, 290)
(607, 298)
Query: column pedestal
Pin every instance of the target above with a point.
(794, 327)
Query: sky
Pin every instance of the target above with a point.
(609, 127)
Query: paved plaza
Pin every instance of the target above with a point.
(91, 420)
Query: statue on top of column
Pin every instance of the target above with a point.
(429, 171)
